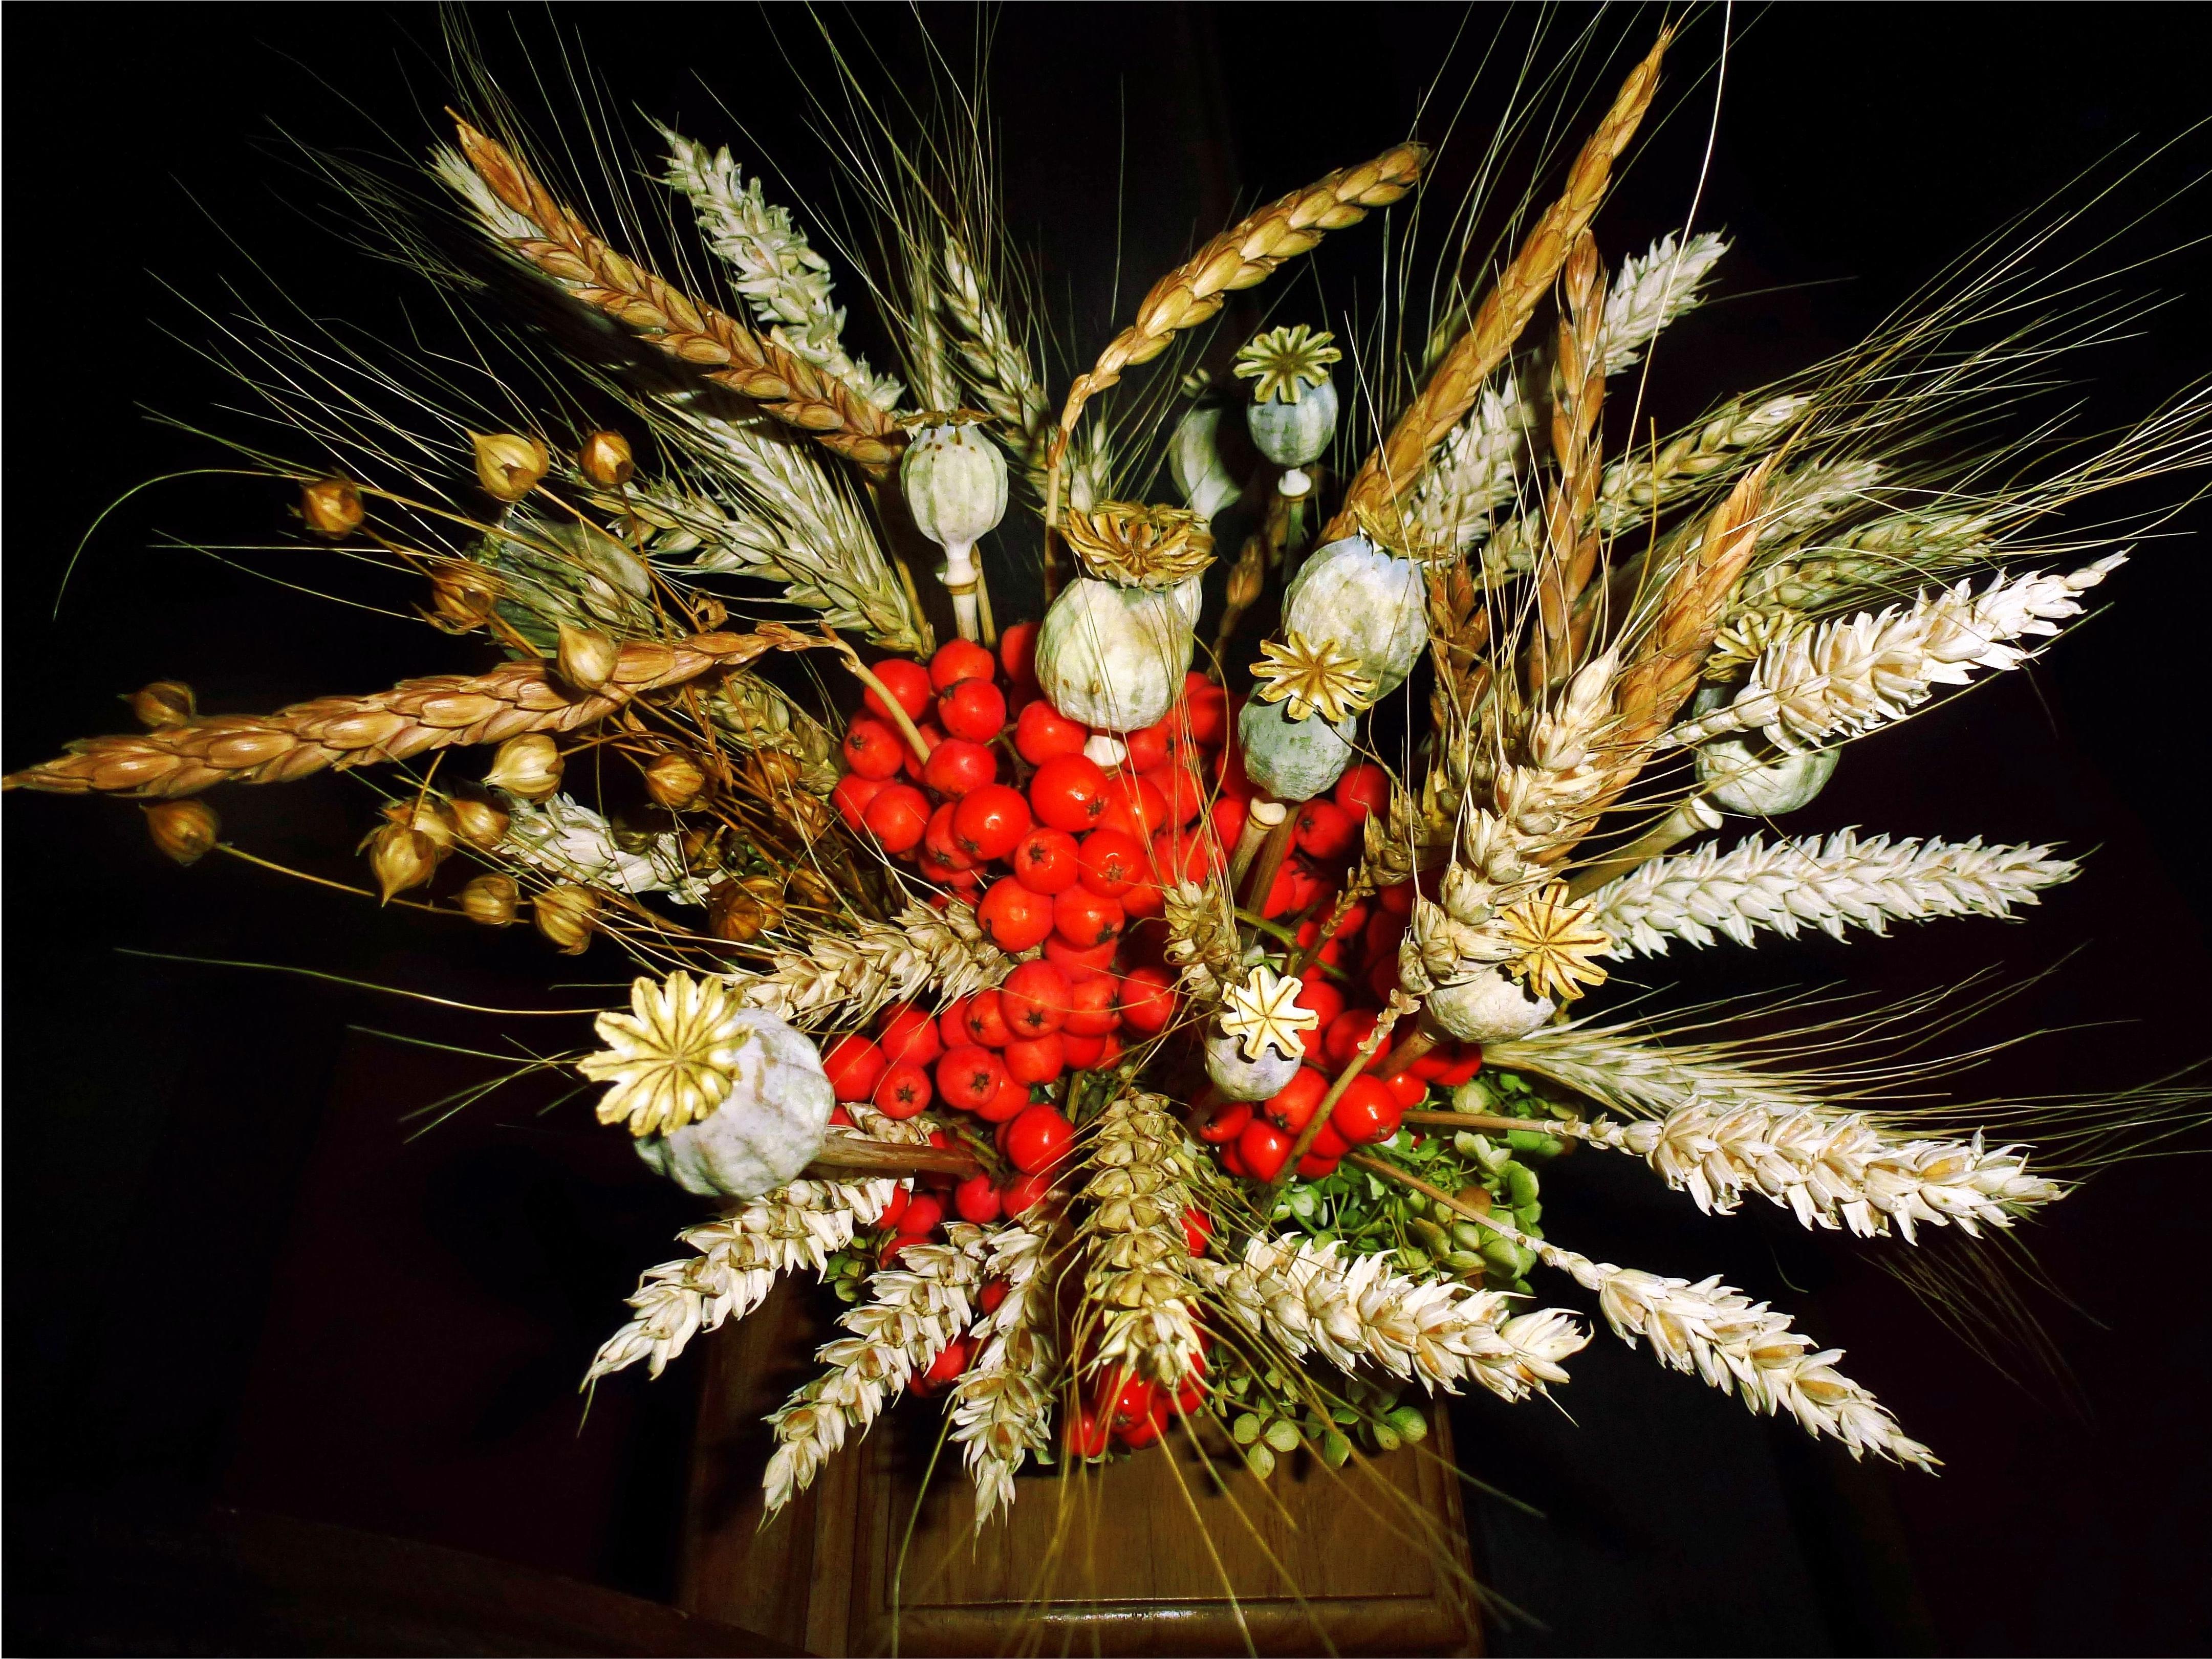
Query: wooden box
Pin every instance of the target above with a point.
(1138, 1558)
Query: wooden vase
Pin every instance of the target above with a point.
(1147, 1554)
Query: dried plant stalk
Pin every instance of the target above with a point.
(1396, 467)
(727, 352)
(1571, 543)
(439, 711)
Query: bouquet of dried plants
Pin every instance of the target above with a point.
(1140, 1039)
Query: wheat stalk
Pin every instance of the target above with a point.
(1144, 1169)
(1001, 1408)
(1833, 884)
(1856, 673)
(437, 712)
(1475, 470)
(1438, 1333)
(1652, 291)
(849, 975)
(993, 363)
(783, 279)
(1613, 1067)
(1397, 464)
(572, 254)
(570, 841)
(1876, 557)
(1829, 1171)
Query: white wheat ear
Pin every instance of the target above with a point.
(1652, 289)
(1002, 1405)
(850, 976)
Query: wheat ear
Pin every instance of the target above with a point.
(570, 252)
(1001, 1408)
(1396, 467)
(438, 712)
(849, 975)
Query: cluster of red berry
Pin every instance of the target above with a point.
(1136, 1411)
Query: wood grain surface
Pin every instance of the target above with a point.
(1146, 1555)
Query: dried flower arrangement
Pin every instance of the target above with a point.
(1122, 1034)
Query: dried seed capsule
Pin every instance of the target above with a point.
(734, 912)
(811, 887)
(587, 658)
(331, 507)
(401, 858)
(604, 458)
(430, 817)
(481, 823)
(165, 703)
(489, 901)
(509, 465)
(184, 830)
(528, 766)
(464, 595)
(567, 916)
(674, 781)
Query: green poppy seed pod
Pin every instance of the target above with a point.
(1194, 458)
(1371, 603)
(1292, 760)
(1113, 656)
(954, 479)
(1239, 1079)
(1293, 435)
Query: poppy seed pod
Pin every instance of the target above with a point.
(567, 915)
(1293, 435)
(401, 858)
(1292, 760)
(528, 766)
(954, 479)
(604, 458)
(331, 507)
(770, 1119)
(1194, 458)
(508, 465)
(1240, 1078)
(183, 829)
(1738, 781)
(587, 657)
(490, 900)
(1487, 1008)
(674, 782)
(1371, 603)
(164, 702)
(481, 823)
(1113, 656)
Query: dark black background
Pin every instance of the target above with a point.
(229, 1277)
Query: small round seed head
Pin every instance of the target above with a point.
(811, 887)
(604, 458)
(773, 772)
(184, 830)
(429, 816)
(703, 850)
(509, 465)
(481, 823)
(331, 507)
(528, 766)
(401, 858)
(567, 916)
(587, 657)
(490, 900)
(674, 781)
(464, 595)
(739, 910)
(164, 702)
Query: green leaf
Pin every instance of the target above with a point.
(1260, 1461)
(1335, 1449)
(1283, 1436)
(1245, 1429)
(1409, 1423)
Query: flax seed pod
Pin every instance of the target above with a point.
(490, 900)
(507, 465)
(480, 823)
(331, 507)
(164, 702)
(183, 829)
(604, 458)
(674, 781)
(528, 766)
(567, 915)
(401, 858)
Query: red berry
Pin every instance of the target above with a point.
(970, 1077)
(1088, 1437)
(976, 1199)
(1110, 862)
(1182, 790)
(853, 1066)
(1037, 1060)
(1282, 894)
(1147, 747)
(1034, 998)
(922, 1216)
(1364, 789)
(896, 817)
(1406, 1089)
(896, 1208)
(909, 1034)
(1045, 860)
(840, 1118)
(1226, 1124)
(902, 1090)
(1082, 1052)
(960, 659)
(1229, 772)
(1263, 1148)
(973, 709)
(1022, 1194)
(937, 840)
(1071, 959)
(959, 764)
(917, 765)
(1324, 1001)
(1038, 1138)
(1329, 1144)
(1232, 1159)
(987, 1020)
(1132, 1401)
(907, 681)
(1084, 918)
(1009, 1103)
(1148, 1001)
(989, 820)
(1398, 901)
(945, 1370)
(1229, 815)
(1017, 652)
(1091, 1010)
(1326, 830)
(1133, 806)
(1306, 889)
(1042, 732)
(852, 795)
(1365, 1112)
(1294, 1105)
(1463, 1065)
(1183, 856)
(1347, 1032)
(1013, 918)
(872, 748)
(1313, 1166)
(1069, 793)
(1197, 1228)
(1205, 709)
(992, 1293)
